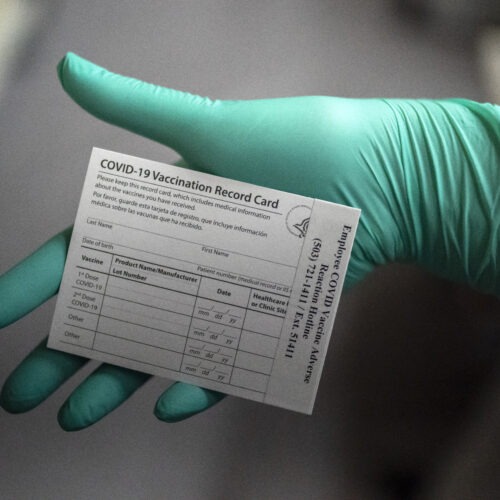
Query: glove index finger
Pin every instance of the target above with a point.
(33, 280)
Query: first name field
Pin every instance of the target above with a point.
(226, 285)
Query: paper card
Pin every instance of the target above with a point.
(193, 277)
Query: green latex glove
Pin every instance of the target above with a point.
(426, 175)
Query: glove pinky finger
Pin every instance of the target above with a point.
(181, 401)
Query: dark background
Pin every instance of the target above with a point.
(409, 403)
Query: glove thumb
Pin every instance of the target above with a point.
(177, 119)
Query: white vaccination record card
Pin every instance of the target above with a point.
(193, 277)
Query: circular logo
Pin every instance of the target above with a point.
(297, 220)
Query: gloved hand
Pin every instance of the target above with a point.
(426, 175)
